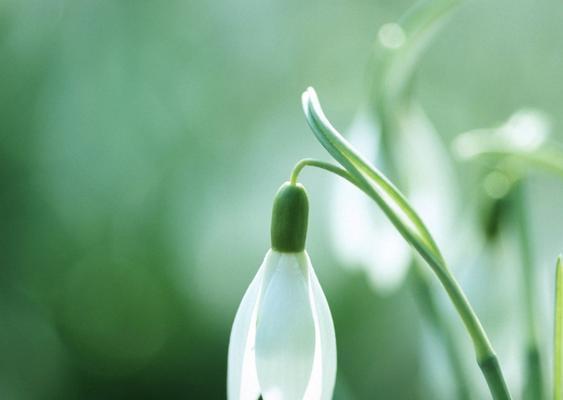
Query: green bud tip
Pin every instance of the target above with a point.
(289, 218)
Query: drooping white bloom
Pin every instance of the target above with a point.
(282, 343)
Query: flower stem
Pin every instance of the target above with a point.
(533, 388)
(558, 334)
(486, 357)
(432, 315)
(309, 162)
(491, 370)
(407, 222)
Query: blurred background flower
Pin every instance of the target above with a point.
(127, 125)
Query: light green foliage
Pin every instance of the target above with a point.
(141, 144)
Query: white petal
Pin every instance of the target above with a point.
(352, 225)
(285, 333)
(427, 172)
(526, 129)
(387, 256)
(362, 235)
(323, 377)
(242, 382)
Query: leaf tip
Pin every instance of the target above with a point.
(308, 97)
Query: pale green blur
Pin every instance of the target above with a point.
(141, 147)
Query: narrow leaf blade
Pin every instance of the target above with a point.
(372, 181)
(558, 336)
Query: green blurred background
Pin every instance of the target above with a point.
(142, 143)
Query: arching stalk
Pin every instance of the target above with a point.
(373, 183)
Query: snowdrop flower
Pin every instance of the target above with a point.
(282, 343)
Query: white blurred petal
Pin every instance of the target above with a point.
(323, 376)
(352, 224)
(242, 382)
(285, 333)
(427, 171)
(362, 235)
(387, 255)
(526, 129)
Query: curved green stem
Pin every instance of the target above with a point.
(551, 161)
(392, 68)
(310, 162)
(427, 302)
(533, 388)
(423, 290)
(486, 357)
(372, 182)
(558, 333)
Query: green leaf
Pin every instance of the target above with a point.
(558, 336)
(370, 180)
